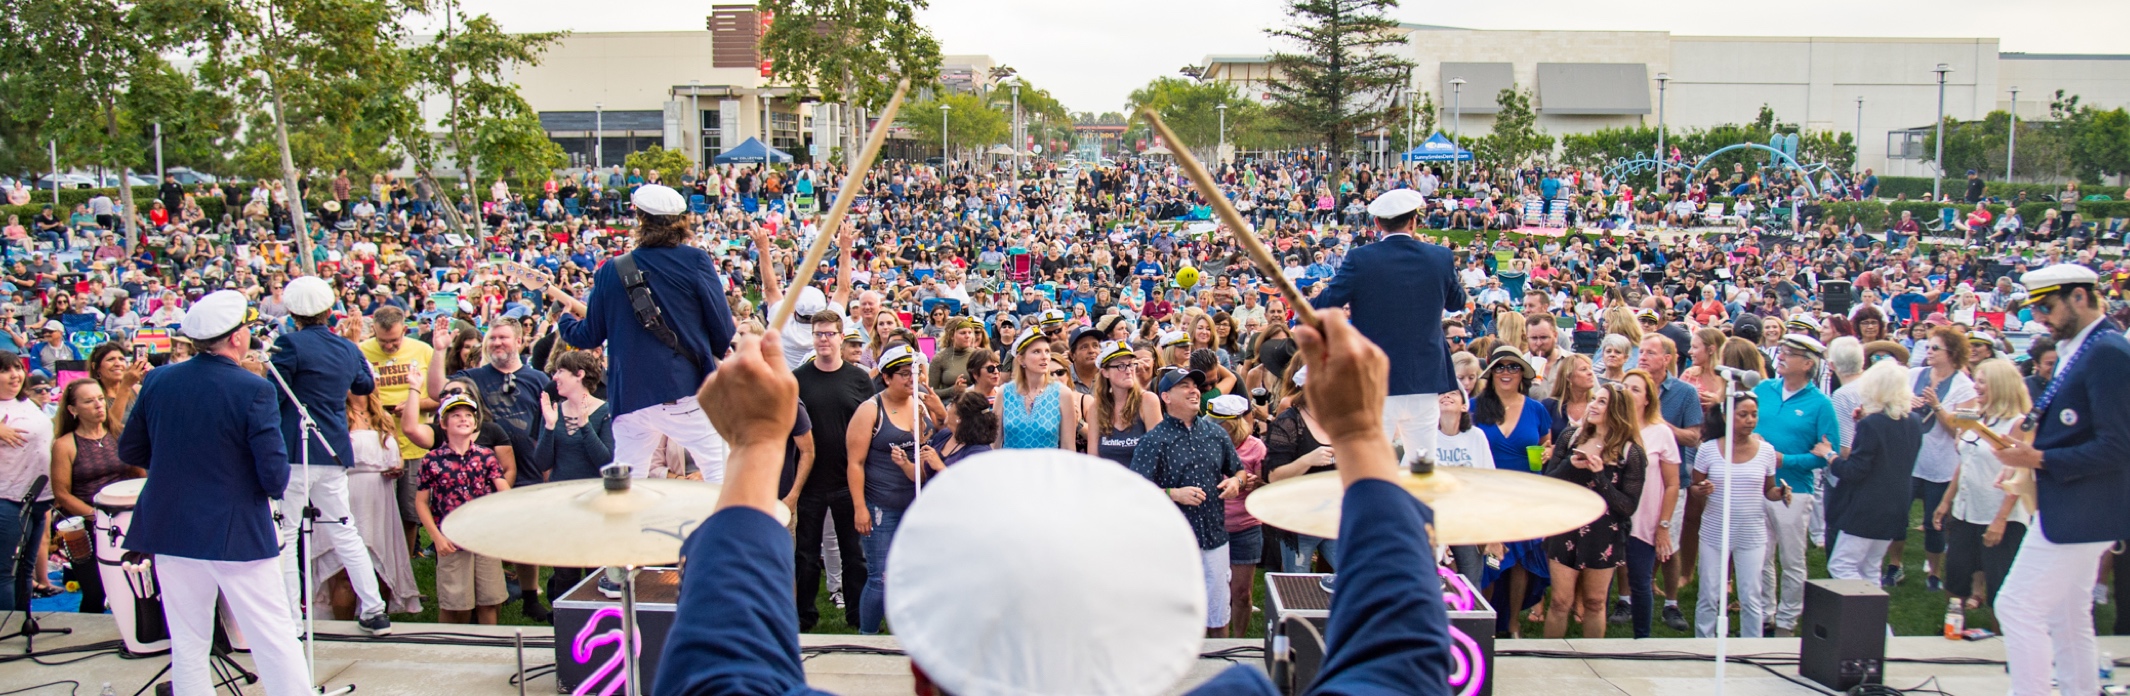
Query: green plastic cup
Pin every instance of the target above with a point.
(1537, 455)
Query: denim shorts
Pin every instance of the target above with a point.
(1247, 547)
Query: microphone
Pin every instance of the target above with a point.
(36, 489)
(1744, 378)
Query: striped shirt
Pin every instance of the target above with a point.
(1746, 483)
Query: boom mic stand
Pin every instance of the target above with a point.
(30, 630)
(305, 526)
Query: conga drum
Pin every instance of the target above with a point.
(136, 601)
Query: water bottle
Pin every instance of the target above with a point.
(1955, 621)
(107, 690)
(2107, 666)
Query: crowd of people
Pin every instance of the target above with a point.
(1813, 378)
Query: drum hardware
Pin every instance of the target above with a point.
(306, 525)
(30, 630)
(226, 670)
(139, 614)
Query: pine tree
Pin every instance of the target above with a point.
(1345, 77)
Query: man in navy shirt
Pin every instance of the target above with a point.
(958, 598)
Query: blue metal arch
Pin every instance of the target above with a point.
(1636, 165)
(1803, 173)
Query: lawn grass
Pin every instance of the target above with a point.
(1914, 610)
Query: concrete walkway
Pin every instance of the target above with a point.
(393, 669)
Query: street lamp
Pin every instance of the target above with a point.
(1016, 131)
(159, 149)
(695, 106)
(1859, 134)
(944, 154)
(598, 136)
(1662, 78)
(2011, 145)
(1456, 129)
(1937, 182)
(1222, 146)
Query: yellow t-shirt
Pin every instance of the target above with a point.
(399, 375)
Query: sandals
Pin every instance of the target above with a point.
(42, 590)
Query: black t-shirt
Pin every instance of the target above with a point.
(799, 426)
(831, 399)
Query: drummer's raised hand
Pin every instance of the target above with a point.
(1349, 377)
(751, 401)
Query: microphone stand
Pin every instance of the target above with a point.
(305, 526)
(30, 630)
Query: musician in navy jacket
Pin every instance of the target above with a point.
(209, 434)
(650, 386)
(2081, 427)
(971, 555)
(1397, 290)
(322, 368)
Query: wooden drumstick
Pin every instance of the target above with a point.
(1259, 253)
(832, 224)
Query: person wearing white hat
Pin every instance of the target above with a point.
(1797, 420)
(322, 368)
(664, 327)
(2080, 425)
(881, 442)
(971, 553)
(1398, 289)
(207, 431)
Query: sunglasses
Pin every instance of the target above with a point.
(1498, 369)
(991, 369)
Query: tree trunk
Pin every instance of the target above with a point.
(125, 187)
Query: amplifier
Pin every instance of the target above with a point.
(1843, 633)
(1836, 296)
(1300, 612)
(588, 629)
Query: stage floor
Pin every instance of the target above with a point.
(388, 669)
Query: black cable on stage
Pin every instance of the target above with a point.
(73, 687)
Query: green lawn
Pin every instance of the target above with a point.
(1915, 611)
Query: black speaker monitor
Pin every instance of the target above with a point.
(1842, 634)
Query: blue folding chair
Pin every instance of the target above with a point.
(698, 204)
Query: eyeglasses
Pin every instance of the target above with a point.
(827, 334)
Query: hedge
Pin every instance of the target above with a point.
(1918, 187)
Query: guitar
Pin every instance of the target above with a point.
(2019, 482)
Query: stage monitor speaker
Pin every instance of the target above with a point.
(588, 632)
(1843, 633)
(1836, 296)
(1300, 613)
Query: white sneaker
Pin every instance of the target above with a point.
(2100, 594)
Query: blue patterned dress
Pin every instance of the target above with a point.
(1029, 425)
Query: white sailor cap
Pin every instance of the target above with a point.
(308, 296)
(969, 554)
(1174, 338)
(899, 356)
(2047, 281)
(1802, 323)
(1396, 202)
(653, 199)
(215, 315)
(1808, 344)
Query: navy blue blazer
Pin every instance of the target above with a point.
(323, 369)
(1397, 290)
(640, 371)
(209, 434)
(2083, 438)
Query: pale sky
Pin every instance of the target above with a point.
(1092, 53)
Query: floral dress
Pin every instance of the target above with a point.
(1602, 543)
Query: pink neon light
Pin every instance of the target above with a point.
(590, 638)
(1471, 672)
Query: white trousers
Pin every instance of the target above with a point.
(2046, 610)
(1857, 558)
(684, 422)
(1787, 528)
(1711, 612)
(1216, 575)
(334, 531)
(1413, 420)
(255, 601)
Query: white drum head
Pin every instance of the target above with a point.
(120, 495)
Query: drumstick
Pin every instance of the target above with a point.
(833, 222)
(1259, 253)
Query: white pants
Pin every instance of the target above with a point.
(255, 601)
(1711, 612)
(334, 529)
(1216, 575)
(1787, 527)
(1819, 509)
(2046, 609)
(684, 422)
(1857, 558)
(1413, 420)
(831, 550)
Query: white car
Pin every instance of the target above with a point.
(72, 181)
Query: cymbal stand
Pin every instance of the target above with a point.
(306, 525)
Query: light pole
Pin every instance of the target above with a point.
(1016, 132)
(53, 145)
(1456, 129)
(1662, 78)
(598, 136)
(159, 151)
(1937, 182)
(1220, 148)
(1859, 134)
(1412, 116)
(2011, 145)
(695, 119)
(944, 154)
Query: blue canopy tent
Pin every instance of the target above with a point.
(1437, 148)
(752, 152)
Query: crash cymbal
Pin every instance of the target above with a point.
(581, 524)
(1472, 506)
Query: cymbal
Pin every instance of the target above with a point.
(1472, 506)
(580, 524)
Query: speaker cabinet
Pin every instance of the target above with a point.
(1843, 633)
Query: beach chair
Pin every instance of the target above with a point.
(698, 204)
(1712, 214)
(1023, 267)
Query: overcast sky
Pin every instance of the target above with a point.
(1092, 53)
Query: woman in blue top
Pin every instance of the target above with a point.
(1032, 409)
(882, 484)
(1513, 423)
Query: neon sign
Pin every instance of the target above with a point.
(1470, 676)
(590, 638)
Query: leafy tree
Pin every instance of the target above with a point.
(1516, 136)
(488, 123)
(81, 58)
(850, 51)
(971, 120)
(1192, 109)
(199, 125)
(670, 164)
(1343, 80)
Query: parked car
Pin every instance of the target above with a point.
(71, 181)
(189, 177)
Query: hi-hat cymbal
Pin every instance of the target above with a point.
(1472, 506)
(580, 524)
